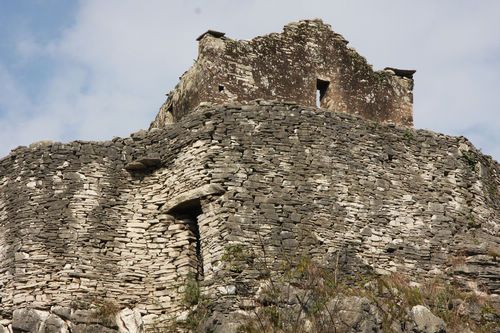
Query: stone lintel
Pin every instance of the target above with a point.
(197, 193)
(143, 163)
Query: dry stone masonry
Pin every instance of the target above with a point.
(102, 236)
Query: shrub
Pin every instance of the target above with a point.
(306, 297)
(192, 291)
(106, 312)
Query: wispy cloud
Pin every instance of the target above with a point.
(106, 72)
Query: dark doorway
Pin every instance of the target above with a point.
(321, 88)
(189, 211)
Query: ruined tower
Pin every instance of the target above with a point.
(240, 171)
(308, 64)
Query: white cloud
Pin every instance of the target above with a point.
(120, 56)
(11, 96)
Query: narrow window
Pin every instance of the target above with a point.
(221, 88)
(189, 212)
(321, 88)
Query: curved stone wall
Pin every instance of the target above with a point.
(113, 221)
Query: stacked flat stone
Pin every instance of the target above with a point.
(99, 221)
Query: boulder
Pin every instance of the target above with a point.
(29, 320)
(34, 321)
(356, 314)
(425, 321)
(54, 324)
(129, 321)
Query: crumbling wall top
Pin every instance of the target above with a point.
(307, 63)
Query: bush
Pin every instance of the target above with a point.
(192, 291)
(307, 297)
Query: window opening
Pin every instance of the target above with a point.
(321, 88)
(221, 88)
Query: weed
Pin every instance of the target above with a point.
(472, 223)
(196, 320)
(457, 260)
(308, 297)
(299, 298)
(408, 135)
(445, 300)
(80, 304)
(192, 291)
(470, 159)
(493, 253)
(198, 306)
(238, 256)
(380, 77)
(106, 312)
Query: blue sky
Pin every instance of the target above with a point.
(96, 69)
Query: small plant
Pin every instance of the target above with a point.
(472, 223)
(305, 296)
(302, 295)
(470, 159)
(457, 260)
(106, 312)
(196, 320)
(237, 256)
(192, 291)
(374, 125)
(493, 253)
(80, 304)
(408, 135)
(198, 306)
(380, 77)
(445, 300)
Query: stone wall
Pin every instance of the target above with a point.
(78, 227)
(306, 58)
(127, 221)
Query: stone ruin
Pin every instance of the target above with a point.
(240, 156)
(307, 64)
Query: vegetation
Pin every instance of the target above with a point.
(192, 291)
(103, 312)
(237, 256)
(408, 135)
(306, 297)
(197, 318)
(198, 306)
(106, 312)
(470, 159)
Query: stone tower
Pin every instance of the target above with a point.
(307, 64)
(240, 174)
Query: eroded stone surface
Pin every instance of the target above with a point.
(425, 321)
(129, 321)
(341, 189)
(307, 63)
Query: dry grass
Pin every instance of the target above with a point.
(305, 298)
